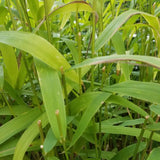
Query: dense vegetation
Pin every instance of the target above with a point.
(79, 80)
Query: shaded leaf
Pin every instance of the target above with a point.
(128, 151)
(87, 116)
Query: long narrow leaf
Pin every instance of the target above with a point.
(149, 60)
(147, 91)
(28, 136)
(39, 48)
(53, 98)
(87, 116)
(17, 124)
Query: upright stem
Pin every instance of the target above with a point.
(140, 138)
(20, 15)
(79, 51)
(47, 20)
(10, 12)
(26, 14)
(64, 85)
(31, 82)
(93, 42)
(10, 108)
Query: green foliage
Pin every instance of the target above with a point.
(79, 79)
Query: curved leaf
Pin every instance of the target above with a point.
(17, 124)
(149, 60)
(124, 102)
(87, 116)
(72, 7)
(155, 153)
(28, 136)
(39, 48)
(147, 91)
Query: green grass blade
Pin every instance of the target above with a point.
(50, 141)
(128, 151)
(149, 60)
(39, 48)
(72, 46)
(17, 110)
(72, 7)
(28, 136)
(128, 131)
(17, 124)
(85, 100)
(124, 102)
(53, 98)
(113, 27)
(147, 91)
(155, 109)
(87, 116)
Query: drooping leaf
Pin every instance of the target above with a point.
(149, 60)
(39, 48)
(113, 27)
(72, 7)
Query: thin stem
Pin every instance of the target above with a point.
(64, 85)
(80, 57)
(47, 20)
(20, 15)
(79, 51)
(41, 131)
(103, 76)
(100, 132)
(140, 138)
(93, 42)
(26, 14)
(62, 138)
(31, 82)
(10, 108)
(10, 12)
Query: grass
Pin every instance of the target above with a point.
(79, 80)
